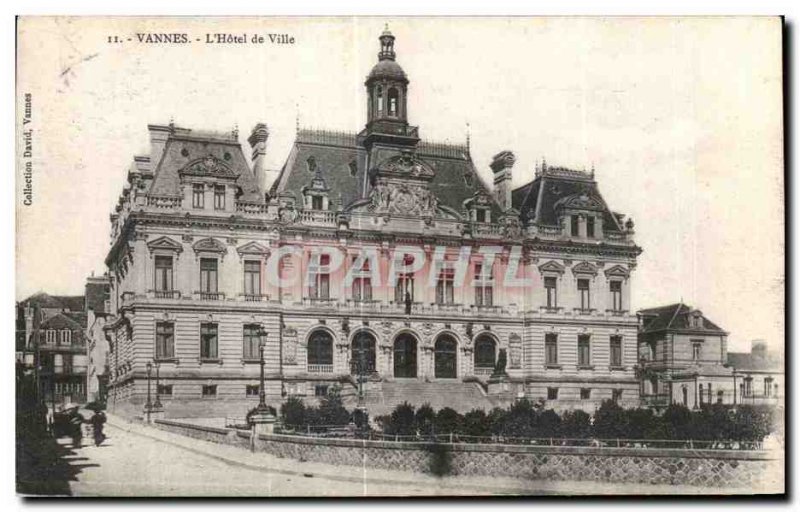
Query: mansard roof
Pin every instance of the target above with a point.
(64, 302)
(197, 153)
(342, 162)
(675, 317)
(64, 321)
(555, 187)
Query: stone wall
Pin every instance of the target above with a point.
(707, 468)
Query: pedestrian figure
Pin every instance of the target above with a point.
(408, 303)
(97, 420)
(75, 424)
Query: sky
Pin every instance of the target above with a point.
(681, 119)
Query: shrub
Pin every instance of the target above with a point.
(751, 424)
(401, 420)
(520, 420)
(449, 421)
(477, 423)
(496, 420)
(332, 410)
(638, 423)
(293, 412)
(576, 424)
(548, 424)
(609, 421)
(424, 420)
(677, 422)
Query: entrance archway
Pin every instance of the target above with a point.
(405, 356)
(362, 353)
(445, 357)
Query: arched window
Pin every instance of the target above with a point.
(445, 357)
(362, 355)
(393, 102)
(379, 100)
(320, 348)
(405, 356)
(485, 352)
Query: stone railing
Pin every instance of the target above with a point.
(319, 368)
(208, 296)
(486, 229)
(251, 208)
(164, 202)
(318, 217)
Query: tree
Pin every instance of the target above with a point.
(332, 410)
(496, 420)
(401, 421)
(477, 423)
(638, 423)
(609, 421)
(548, 424)
(520, 419)
(677, 422)
(293, 412)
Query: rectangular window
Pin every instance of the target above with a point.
(219, 197)
(362, 289)
(163, 274)
(590, 227)
(165, 389)
(444, 287)
(616, 295)
(198, 195)
(551, 290)
(316, 202)
(319, 287)
(697, 348)
(573, 221)
(251, 390)
(210, 391)
(252, 277)
(66, 337)
(251, 341)
(768, 386)
(584, 358)
(321, 390)
(51, 336)
(208, 341)
(484, 286)
(551, 348)
(616, 351)
(552, 393)
(586, 393)
(165, 340)
(583, 291)
(208, 275)
(405, 285)
(480, 215)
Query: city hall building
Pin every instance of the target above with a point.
(373, 255)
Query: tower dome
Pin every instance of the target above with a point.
(387, 85)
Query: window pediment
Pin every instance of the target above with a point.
(165, 243)
(617, 271)
(252, 249)
(551, 266)
(581, 201)
(209, 245)
(584, 267)
(208, 166)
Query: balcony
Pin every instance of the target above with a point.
(483, 371)
(318, 217)
(319, 368)
(550, 309)
(319, 302)
(486, 229)
(363, 305)
(209, 296)
(249, 208)
(616, 312)
(583, 311)
(164, 202)
(254, 297)
(165, 294)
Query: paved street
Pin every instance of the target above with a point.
(140, 461)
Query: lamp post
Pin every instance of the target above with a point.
(148, 406)
(262, 394)
(157, 403)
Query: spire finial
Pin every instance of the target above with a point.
(468, 136)
(171, 122)
(235, 131)
(297, 118)
(592, 170)
(544, 164)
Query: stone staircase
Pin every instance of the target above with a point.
(382, 397)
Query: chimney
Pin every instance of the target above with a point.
(258, 141)
(501, 166)
(159, 134)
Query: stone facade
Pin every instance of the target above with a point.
(375, 249)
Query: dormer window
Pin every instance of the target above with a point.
(480, 215)
(66, 337)
(219, 197)
(198, 195)
(311, 164)
(574, 225)
(590, 227)
(51, 336)
(316, 202)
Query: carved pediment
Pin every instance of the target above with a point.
(402, 199)
(617, 271)
(584, 267)
(209, 245)
(165, 243)
(404, 166)
(208, 166)
(252, 249)
(583, 200)
(479, 199)
(551, 266)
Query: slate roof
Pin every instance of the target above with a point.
(745, 361)
(536, 200)
(184, 146)
(455, 179)
(674, 317)
(96, 294)
(63, 321)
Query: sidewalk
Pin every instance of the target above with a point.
(406, 483)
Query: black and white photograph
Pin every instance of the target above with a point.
(390, 256)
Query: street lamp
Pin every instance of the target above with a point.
(157, 403)
(148, 406)
(262, 394)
